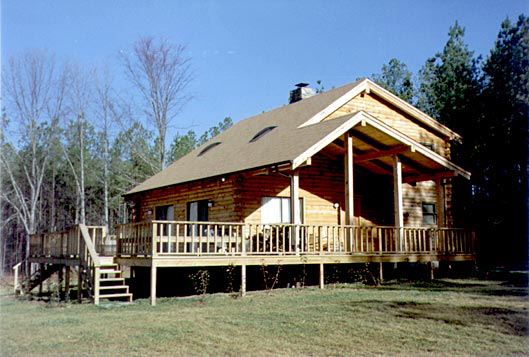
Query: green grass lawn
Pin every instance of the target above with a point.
(445, 317)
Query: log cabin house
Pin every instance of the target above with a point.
(351, 175)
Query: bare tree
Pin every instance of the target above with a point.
(80, 93)
(105, 111)
(161, 73)
(34, 93)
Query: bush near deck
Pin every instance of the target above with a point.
(444, 317)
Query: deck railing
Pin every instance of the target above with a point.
(220, 238)
(69, 243)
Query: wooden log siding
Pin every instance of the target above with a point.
(221, 193)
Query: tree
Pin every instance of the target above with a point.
(182, 145)
(80, 94)
(502, 169)
(160, 71)
(215, 130)
(448, 91)
(448, 83)
(396, 78)
(34, 93)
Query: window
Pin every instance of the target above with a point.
(262, 133)
(429, 215)
(207, 148)
(277, 210)
(197, 211)
(164, 213)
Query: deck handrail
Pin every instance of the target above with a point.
(237, 238)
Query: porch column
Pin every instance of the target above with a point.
(348, 166)
(440, 204)
(397, 198)
(294, 206)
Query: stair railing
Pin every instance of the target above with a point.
(89, 258)
(17, 285)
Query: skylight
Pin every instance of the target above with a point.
(207, 148)
(262, 133)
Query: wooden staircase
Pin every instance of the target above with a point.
(111, 283)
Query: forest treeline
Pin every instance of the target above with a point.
(71, 144)
(486, 101)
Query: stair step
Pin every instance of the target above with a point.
(108, 265)
(113, 287)
(107, 296)
(111, 279)
(109, 271)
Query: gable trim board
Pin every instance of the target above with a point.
(369, 86)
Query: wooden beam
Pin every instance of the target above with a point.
(348, 170)
(380, 146)
(398, 149)
(430, 176)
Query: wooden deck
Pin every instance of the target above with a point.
(219, 243)
(159, 244)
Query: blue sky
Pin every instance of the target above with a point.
(247, 55)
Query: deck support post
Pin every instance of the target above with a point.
(397, 199)
(294, 207)
(322, 276)
(243, 280)
(431, 270)
(381, 272)
(41, 268)
(67, 283)
(60, 278)
(153, 283)
(97, 277)
(80, 284)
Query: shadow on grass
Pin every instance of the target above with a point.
(482, 287)
(509, 321)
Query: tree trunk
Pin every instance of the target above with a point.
(81, 173)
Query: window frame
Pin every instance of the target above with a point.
(301, 208)
(426, 214)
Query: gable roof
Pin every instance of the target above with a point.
(299, 133)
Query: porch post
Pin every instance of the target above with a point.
(440, 204)
(397, 198)
(294, 206)
(348, 165)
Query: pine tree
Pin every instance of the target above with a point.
(448, 91)
(502, 171)
(397, 78)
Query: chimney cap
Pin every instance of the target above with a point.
(301, 85)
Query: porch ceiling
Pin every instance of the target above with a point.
(375, 144)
